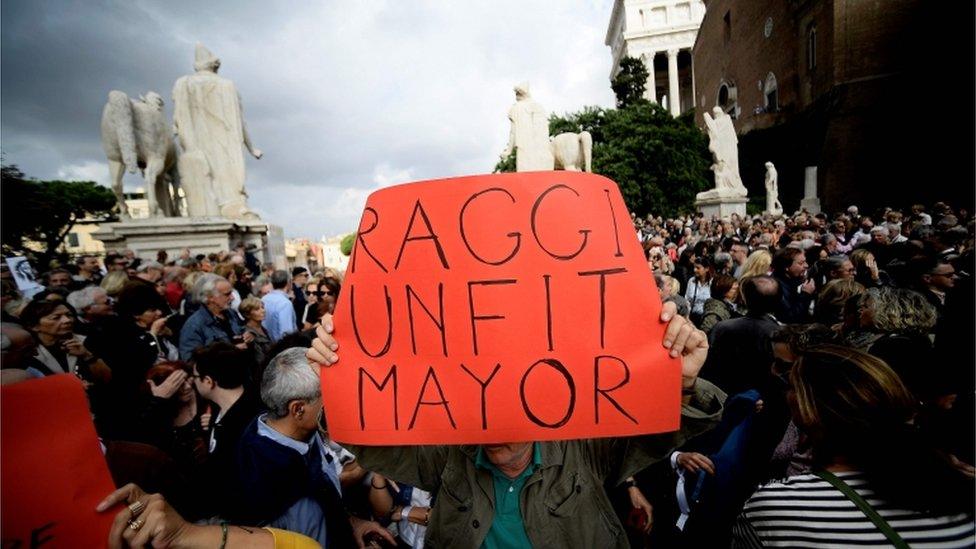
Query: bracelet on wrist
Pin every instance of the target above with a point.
(375, 487)
(223, 534)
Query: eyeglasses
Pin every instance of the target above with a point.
(320, 293)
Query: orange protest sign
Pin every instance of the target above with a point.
(53, 471)
(499, 308)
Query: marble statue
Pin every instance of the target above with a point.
(529, 137)
(723, 144)
(573, 151)
(136, 137)
(773, 207)
(209, 123)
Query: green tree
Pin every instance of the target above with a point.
(505, 164)
(346, 244)
(45, 211)
(630, 82)
(659, 162)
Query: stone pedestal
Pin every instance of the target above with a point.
(202, 235)
(810, 201)
(723, 207)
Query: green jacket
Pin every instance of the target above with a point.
(715, 311)
(563, 503)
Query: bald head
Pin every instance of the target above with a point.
(761, 294)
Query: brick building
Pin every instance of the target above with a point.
(878, 95)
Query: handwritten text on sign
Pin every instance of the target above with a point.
(499, 308)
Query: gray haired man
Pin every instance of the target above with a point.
(286, 474)
(213, 321)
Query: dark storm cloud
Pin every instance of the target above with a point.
(342, 97)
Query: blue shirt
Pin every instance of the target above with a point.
(280, 317)
(202, 328)
(507, 529)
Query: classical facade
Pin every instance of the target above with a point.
(828, 90)
(662, 34)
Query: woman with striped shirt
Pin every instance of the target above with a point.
(875, 481)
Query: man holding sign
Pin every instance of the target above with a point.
(505, 311)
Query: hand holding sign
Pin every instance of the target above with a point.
(501, 308)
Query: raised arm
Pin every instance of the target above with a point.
(419, 466)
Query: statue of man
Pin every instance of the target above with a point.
(773, 206)
(209, 122)
(529, 137)
(723, 143)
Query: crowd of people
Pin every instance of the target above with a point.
(827, 389)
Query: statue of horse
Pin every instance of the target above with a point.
(136, 136)
(572, 151)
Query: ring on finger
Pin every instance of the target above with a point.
(136, 507)
(136, 524)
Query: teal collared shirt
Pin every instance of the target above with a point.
(507, 529)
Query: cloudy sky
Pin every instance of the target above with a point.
(343, 97)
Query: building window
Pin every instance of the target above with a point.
(727, 27)
(728, 99)
(811, 47)
(770, 94)
(73, 240)
(659, 17)
(682, 12)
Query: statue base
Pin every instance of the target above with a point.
(811, 205)
(722, 206)
(202, 235)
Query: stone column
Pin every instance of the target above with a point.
(674, 96)
(810, 200)
(650, 90)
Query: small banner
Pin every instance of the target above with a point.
(499, 308)
(52, 467)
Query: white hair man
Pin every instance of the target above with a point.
(213, 321)
(287, 479)
(93, 306)
(150, 271)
